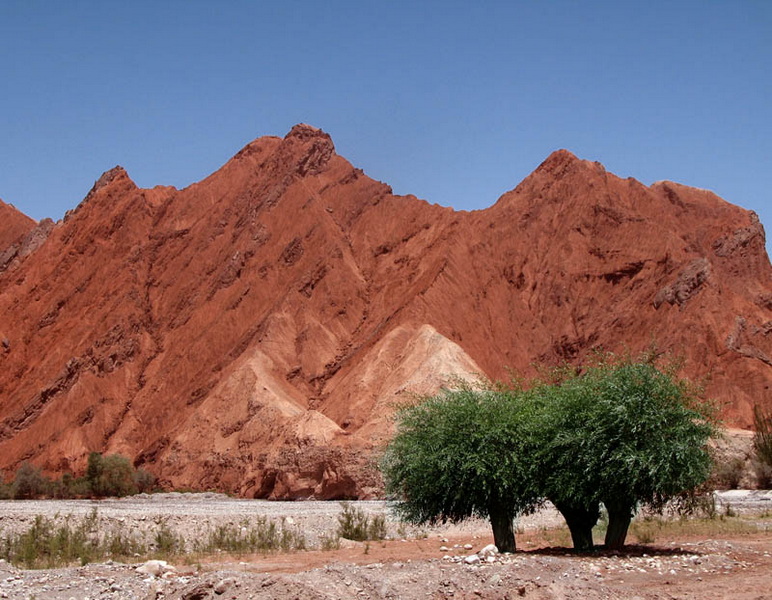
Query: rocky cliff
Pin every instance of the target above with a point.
(252, 332)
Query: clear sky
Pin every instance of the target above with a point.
(455, 102)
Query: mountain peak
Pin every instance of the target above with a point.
(13, 224)
(561, 161)
(304, 131)
(264, 320)
(115, 175)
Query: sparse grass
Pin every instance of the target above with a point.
(645, 530)
(648, 530)
(167, 543)
(54, 542)
(263, 535)
(329, 541)
(555, 536)
(48, 544)
(355, 524)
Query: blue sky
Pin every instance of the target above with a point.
(455, 102)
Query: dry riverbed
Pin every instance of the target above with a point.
(732, 561)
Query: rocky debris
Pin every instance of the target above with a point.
(686, 284)
(741, 239)
(405, 569)
(708, 570)
(156, 568)
(252, 332)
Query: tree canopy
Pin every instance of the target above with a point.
(621, 433)
(463, 453)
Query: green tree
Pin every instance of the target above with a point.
(462, 453)
(29, 482)
(622, 433)
(111, 475)
(117, 477)
(563, 475)
(94, 473)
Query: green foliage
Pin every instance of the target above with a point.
(355, 524)
(57, 542)
(263, 535)
(461, 453)
(763, 472)
(111, 475)
(144, 481)
(29, 482)
(46, 544)
(94, 472)
(623, 433)
(167, 542)
(117, 476)
(728, 473)
(329, 541)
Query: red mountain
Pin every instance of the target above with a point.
(252, 331)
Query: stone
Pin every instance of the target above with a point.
(156, 568)
(223, 586)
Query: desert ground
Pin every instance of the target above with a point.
(724, 557)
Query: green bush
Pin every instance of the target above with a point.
(144, 481)
(29, 482)
(111, 475)
(461, 453)
(167, 542)
(727, 474)
(355, 524)
(46, 544)
(264, 535)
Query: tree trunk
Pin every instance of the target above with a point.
(503, 530)
(580, 521)
(619, 517)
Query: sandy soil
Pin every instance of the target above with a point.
(429, 563)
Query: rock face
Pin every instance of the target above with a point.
(251, 332)
(14, 226)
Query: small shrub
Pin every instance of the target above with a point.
(167, 542)
(354, 524)
(705, 506)
(116, 477)
(94, 473)
(645, 531)
(329, 541)
(144, 481)
(29, 482)
(729, 473)
(262, 536)
(762, 439)
(763, 473)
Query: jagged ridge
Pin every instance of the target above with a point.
(252, 331)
